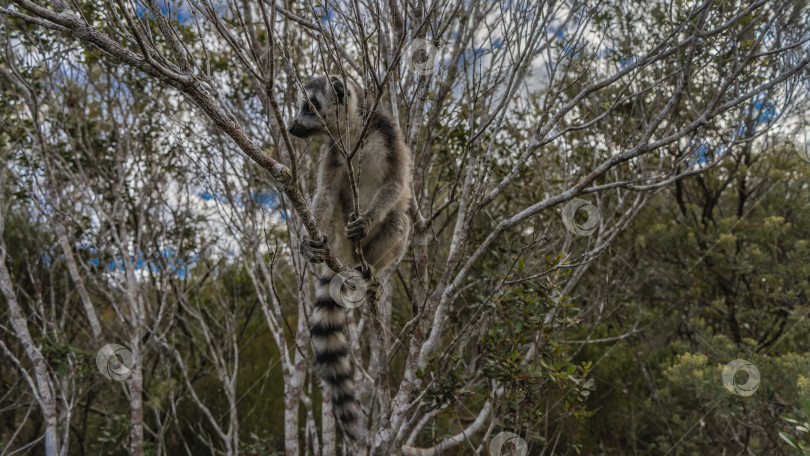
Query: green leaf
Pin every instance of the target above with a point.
(789, 419)
(790, 440)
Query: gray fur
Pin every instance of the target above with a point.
(383, 227)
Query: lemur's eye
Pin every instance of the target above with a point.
(310, 107)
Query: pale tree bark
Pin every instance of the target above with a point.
(13, 75)
(44, 392)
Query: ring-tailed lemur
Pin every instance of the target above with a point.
(383, 225)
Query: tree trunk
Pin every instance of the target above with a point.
(47, 403)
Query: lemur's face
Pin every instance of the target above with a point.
(307, 122)
(317, 110)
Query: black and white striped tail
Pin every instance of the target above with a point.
(332, 360)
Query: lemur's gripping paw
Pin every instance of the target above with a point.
(357, 228)
(314, 251)
(374, 290)
(374, 287)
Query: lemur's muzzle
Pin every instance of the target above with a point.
(298, 130)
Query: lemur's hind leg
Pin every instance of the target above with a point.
(389, 244)
(373, 285)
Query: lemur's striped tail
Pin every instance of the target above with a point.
(332, 361)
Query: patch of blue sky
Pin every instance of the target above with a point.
(266, 199)
(86, 246)
(172, 265)
(175, 10)
(765, 112)
(47, 259)
(701, 155)
(72, 73)
(766, 108)
(208, 196)
(480, 51)
(328, 15)
(766, 115)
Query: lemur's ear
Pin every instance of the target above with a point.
(340, 89)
